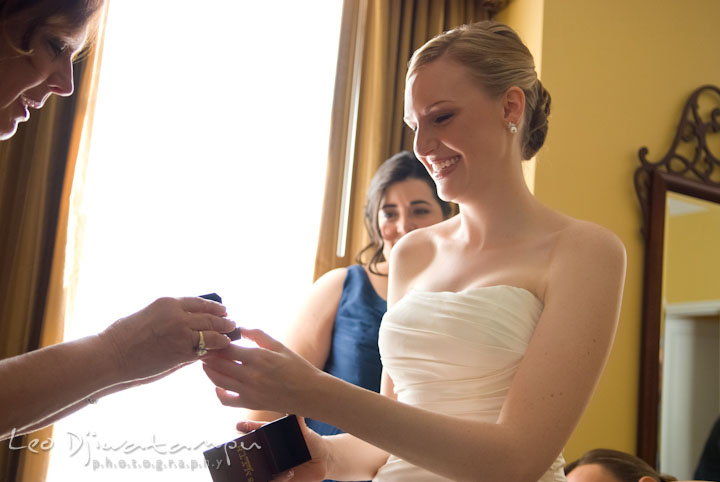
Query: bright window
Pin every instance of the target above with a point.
(206, 173)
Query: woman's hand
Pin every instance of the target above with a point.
(269, 377)
(312, 470)
(165, 335)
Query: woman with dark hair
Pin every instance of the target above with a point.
(400, 167)
(607, 465)
(39, 40)
(500, 319)
(337, 327)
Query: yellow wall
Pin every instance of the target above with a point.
(526, 17)
(692, 264)
(619, 72)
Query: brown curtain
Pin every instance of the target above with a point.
(376, 41)
(37, 167)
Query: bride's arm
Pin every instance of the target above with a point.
(553, 384)
(352, 458)
(310, 333)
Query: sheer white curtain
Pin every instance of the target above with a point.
(206, 174)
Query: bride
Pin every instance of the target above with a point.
(500, 319)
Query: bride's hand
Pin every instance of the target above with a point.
(267, 377)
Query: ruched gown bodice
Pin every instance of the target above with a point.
(457, 354)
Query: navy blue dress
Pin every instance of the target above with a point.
(354, 355)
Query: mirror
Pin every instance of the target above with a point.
(689, 333)
(679, 392)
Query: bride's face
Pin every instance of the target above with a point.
(459, 129)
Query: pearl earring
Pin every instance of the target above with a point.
(512, 127)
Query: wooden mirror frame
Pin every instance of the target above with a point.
(698, 177)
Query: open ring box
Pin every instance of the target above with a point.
(260, 455)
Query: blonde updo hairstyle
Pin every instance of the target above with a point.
(494, 55)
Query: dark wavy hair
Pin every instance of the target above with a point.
(625, 467)
(63, 16)
(400, 167)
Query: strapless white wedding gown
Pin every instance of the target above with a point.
(456, 354)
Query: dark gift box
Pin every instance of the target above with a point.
(259, 455)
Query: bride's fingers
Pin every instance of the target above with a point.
(262, 339)
(284, 476)
(225, 366)
(229, 398)
(246, 426)
(239, 353)
(221, 380)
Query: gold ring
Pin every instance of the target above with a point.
(201, 348)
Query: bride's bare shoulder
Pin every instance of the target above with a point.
(422, 244)
(586, 244)
(417, 249)
(577, 231)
